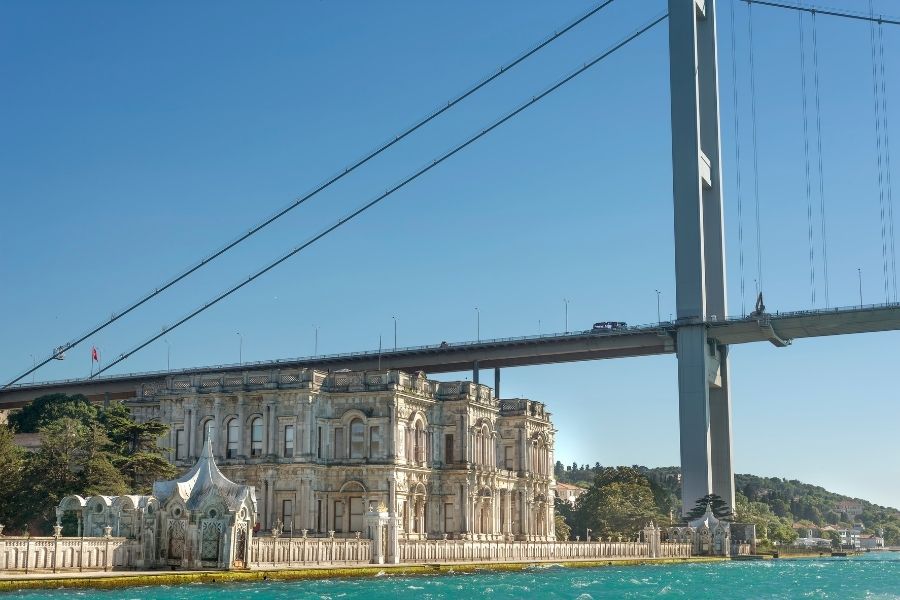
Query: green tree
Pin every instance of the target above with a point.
(619, 502)
(134, 447)
(72, 460)
(12, 466)
(46, 409)
(720, 508)
(563, 531)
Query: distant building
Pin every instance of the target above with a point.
(849, 538)
(569, 493)
(870, 541)
(851, 508)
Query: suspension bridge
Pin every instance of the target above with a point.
(702, 330)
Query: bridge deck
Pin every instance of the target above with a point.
(778, 329)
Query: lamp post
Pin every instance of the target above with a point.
(566, 303)
(240, 347)
(33, 365)
(658, 317)
(395, 333)
(477, 324)
(859, 275)
(316, 342)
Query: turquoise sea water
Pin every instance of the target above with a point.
(873, 576)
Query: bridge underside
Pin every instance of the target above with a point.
(456, 357)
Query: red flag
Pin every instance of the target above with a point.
(95, 356)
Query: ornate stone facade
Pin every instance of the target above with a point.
(323, 449)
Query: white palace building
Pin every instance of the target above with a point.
(448, 458)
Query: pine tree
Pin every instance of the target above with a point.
(720, 508)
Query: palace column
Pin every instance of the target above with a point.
(242, 423)
(495, 526)
(271, 430)
(217, 444)
(191, 430)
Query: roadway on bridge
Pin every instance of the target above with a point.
(778, 328)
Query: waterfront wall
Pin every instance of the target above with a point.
(53, 554)
(49, 554)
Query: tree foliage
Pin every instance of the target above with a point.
(619, 502)
(84, 450)
(719, 508)
(12, 467)
(52, 407)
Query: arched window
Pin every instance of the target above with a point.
(419, 443)
(234, 432)
(256, 436)
(209, 430)
(357, 439)
(485, 446)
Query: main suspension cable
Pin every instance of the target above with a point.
(759, 269)
(347, 218)
(59, 351)
(815, 39)
(846, 14)
(737, 160)
(809, 205)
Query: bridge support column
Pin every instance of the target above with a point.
(475, 372)
(703, 388)
(496, 382)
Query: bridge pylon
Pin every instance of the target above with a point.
(703, 387)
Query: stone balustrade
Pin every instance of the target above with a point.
(266, 552)
(419, 551)
(52, 554)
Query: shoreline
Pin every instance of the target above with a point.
(126, 579)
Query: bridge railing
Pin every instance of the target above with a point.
(443, 346)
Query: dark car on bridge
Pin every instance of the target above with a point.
(609, 326)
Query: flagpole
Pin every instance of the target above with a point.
(92, 364)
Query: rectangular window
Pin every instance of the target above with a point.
(448, 448)
(319, 515)
(338, 516)
(508, 456)
(374, 441)
(319, 446)
(339, 442)
(288, 441)
(287, 514)
(180, 451)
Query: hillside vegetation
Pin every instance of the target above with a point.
(776, 505)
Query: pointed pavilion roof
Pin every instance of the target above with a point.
(201, 481)
(708, 519)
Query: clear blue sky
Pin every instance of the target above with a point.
(136, 137)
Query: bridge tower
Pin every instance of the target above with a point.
(703, 389)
